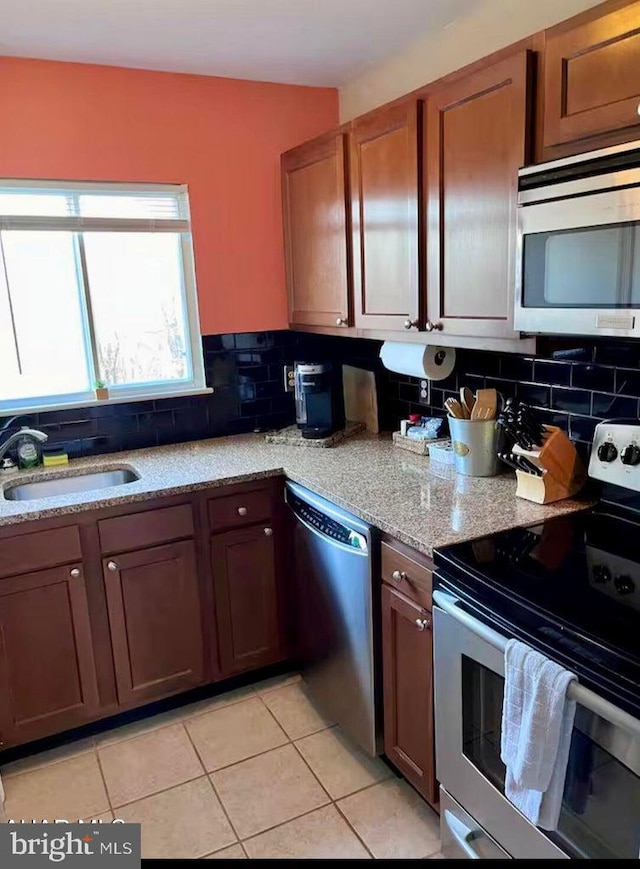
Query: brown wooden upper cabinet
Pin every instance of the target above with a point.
(477, 138)
(592, 80)
(316, 230)
(386, 207)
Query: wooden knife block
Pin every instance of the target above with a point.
(563, 473)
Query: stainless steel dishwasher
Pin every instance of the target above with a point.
(334, 613)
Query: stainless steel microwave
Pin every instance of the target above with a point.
(578, 261)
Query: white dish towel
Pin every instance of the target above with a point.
(537, 720)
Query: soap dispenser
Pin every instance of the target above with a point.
(27, 450)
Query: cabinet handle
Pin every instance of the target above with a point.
(398, 576)
(340, 321)
(268, 532)
(430, 326)
(111, 565)
(242, 511)
(74, 572)
(421, 624)
(410, 324)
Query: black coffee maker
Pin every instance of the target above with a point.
(319, 398)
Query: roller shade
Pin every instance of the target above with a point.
(87, 207)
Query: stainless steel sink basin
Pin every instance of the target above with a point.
(68, 485)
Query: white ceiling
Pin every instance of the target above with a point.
(313, 42)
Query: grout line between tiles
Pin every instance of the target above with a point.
(283, 823)
(334, 802)
(160, 791)
(350, 825)
(213, 787)
(104, 781)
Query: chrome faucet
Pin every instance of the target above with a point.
(25, 431)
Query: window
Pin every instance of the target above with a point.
(97, 286)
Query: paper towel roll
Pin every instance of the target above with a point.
(418, 360)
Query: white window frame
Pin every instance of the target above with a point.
(195, 383)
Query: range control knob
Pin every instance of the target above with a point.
(607, 452)
(624, 585)
(630, 455)
(601, 574)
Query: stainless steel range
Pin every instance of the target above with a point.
(569, 587)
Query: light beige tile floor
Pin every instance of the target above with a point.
(256, 772)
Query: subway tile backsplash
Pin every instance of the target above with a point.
(573, 384)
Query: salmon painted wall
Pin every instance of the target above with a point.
(222, 137)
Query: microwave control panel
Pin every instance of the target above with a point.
(615, 455)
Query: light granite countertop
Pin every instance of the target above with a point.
(418, 502)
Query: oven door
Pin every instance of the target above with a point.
(579, 257)
(600, 816)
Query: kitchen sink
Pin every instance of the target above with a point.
(69, 485)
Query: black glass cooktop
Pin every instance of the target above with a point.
(570, 586)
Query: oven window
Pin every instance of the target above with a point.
(594, 267)
(600, 815)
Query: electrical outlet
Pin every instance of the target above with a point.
(289, 378)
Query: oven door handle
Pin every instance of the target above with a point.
(462, 834)
(581, 695)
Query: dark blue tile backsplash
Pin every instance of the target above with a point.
(573, 384)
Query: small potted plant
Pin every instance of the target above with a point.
(102, 391)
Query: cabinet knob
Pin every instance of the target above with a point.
(268, 532)
(111, 565)
(242, 511)
(340, 321)
(638, 109)
(410, 324)
(422, 624)
(398, 576)
(74, 572)
(430, 326)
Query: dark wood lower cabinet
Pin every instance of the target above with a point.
(246, 594)
(121, 606)
(407, 653)
(47, 671)
(153, 598)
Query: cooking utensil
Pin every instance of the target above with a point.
(467, 399)
(486, 404)
(454, 408)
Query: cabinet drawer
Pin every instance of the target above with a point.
(138, 530)
(406, 575)
(243, 508)
(27, 552)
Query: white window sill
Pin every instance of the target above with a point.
(113, 399)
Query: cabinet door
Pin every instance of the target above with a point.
(47, 671)
(386, 206)
(246, 599)
(316, 232)
(155, 615)
(592, 80)
(477, 138)
(407, 659)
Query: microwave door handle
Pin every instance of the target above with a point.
(462, 834)
(577, 692)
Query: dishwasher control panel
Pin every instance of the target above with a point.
(325, 525)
